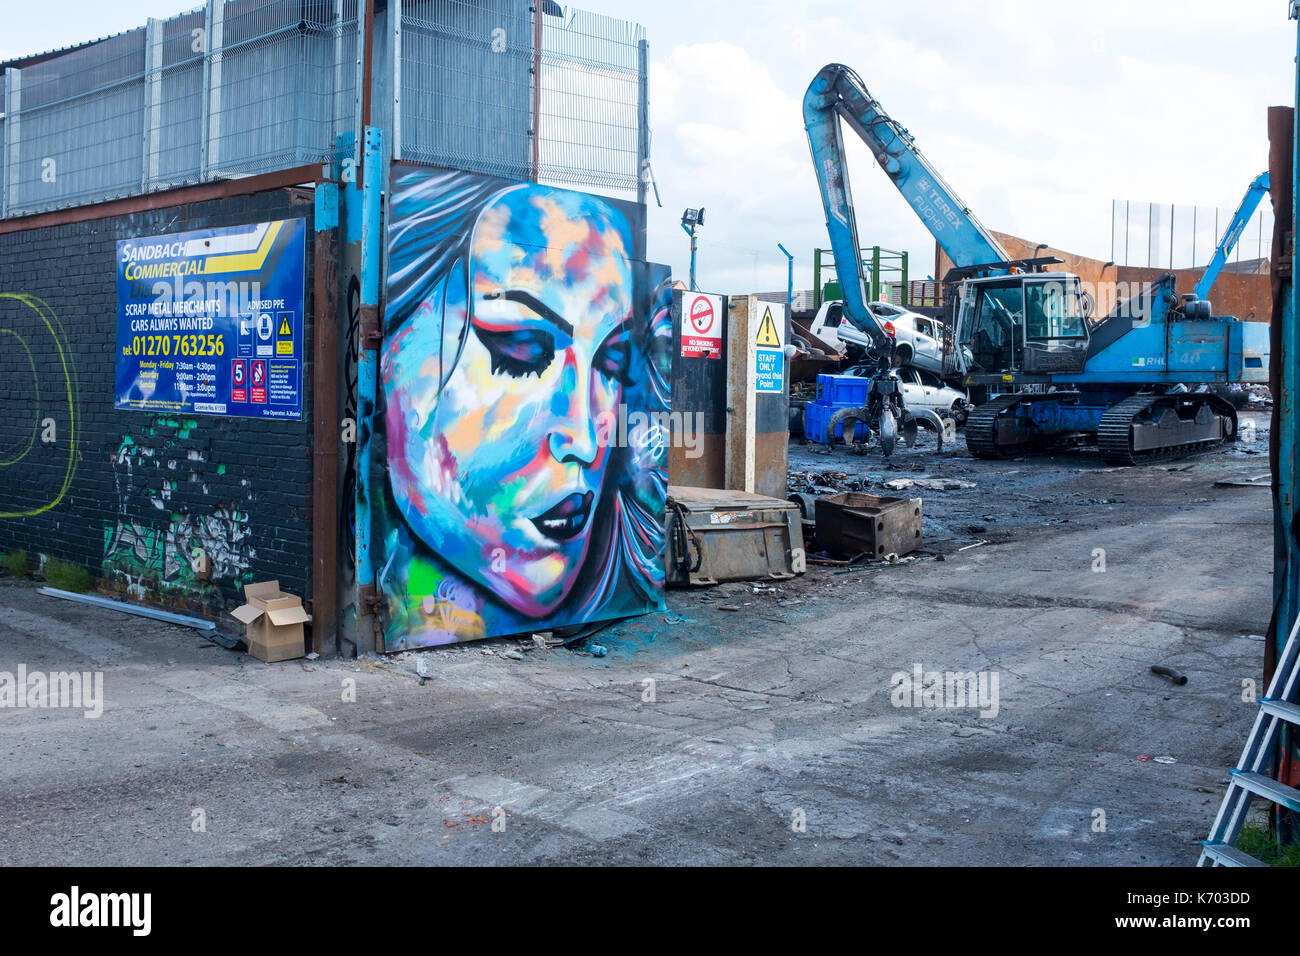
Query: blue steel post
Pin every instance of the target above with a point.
(789, 281)
(372, 179)
(1286, 548)
(1291, 368)
(690, 231)
(1285, 355)
(1286, 576)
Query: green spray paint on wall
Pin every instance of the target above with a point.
(186, 554)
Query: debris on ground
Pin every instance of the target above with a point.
(1176, 676)
(882, 565)
(1264, 480)
(929, 484)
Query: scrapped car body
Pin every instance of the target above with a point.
(924, 389)
(920, 339)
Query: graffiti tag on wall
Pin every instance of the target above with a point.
(154, 546)
(40, 413)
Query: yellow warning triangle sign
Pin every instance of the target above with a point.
(767, 336)
(284, 327)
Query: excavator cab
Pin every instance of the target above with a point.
(1031, 324)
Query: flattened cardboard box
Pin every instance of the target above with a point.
(273, 621)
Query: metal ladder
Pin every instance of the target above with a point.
(1250, 779)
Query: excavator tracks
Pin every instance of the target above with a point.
(986, 439)
(1155, 427)
(982, 428)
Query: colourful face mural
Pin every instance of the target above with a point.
(516, 329)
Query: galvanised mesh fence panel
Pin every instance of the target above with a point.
(343, 63)
(174, 100)
(592, 79)
(73, 125)
(240, 87)
(270, 76)
(465, 77)
(232, 88)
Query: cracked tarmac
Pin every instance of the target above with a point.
(756, 719)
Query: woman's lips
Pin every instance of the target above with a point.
(567, 519)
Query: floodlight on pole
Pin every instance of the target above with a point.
(691, 219)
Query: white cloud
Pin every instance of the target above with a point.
(1039, 115)
(730, 139)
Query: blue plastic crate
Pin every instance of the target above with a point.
(844, 391)
(816, 417)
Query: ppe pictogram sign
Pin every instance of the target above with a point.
(259, 382)
(701, 325)
(768, 336)
(284, 334)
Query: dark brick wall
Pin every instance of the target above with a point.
(147, 492)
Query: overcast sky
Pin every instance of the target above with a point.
(1038, 114)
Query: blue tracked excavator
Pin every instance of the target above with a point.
(1045, 376)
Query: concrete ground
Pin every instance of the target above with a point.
(706, 735)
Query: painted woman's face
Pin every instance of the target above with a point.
(501, 471)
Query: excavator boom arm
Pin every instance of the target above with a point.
(838, 92)
(1249, 203)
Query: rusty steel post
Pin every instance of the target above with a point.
(325, 424)
(367, 68)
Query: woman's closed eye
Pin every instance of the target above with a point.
(518, 352)
(614, 360)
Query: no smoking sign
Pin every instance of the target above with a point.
(701, 325)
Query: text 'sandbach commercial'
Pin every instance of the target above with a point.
(211, 322)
